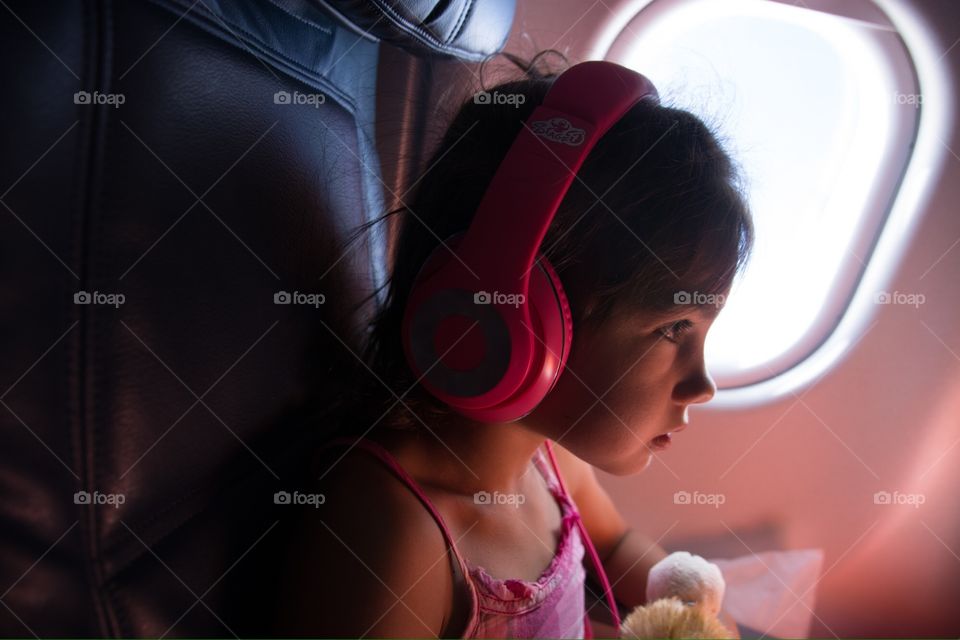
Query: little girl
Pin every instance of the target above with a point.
(435, 525)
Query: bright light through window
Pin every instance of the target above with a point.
(820, 120)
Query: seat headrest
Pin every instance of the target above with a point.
(465, 29)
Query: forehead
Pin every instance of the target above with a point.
(707, 311)
(710, 311)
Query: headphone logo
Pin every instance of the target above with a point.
(559, 130)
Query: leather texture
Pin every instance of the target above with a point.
(465, 29)
(220, 154)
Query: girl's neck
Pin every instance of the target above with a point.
(466, 457)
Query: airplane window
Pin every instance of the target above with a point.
(820, 111)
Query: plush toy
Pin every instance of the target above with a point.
(684, 594)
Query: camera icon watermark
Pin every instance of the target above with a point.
(312, 499)
(899, 297)
(97, 98)
(311, 299)
(697, 498)
(96, 498)
(485, 497)
(699, 299)
(512, 299)
(312, 99)
(96, 297)
(485, 97)
(913, 499)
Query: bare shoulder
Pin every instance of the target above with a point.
(369, 560)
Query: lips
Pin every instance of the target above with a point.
(661, 442)
(676, 429)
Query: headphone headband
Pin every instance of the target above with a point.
(533, 178)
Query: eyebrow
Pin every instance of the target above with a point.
(708, 311)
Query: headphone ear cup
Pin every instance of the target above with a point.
(489, 345)
(552, 307)
(553, 331)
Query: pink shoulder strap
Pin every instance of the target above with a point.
(594, 557)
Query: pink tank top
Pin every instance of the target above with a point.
(550, 607)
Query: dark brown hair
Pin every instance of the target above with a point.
(670, 217)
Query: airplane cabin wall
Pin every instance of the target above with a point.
(800, 472)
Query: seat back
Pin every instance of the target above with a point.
(178, 180)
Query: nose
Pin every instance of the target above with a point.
(696, 388)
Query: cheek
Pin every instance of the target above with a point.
(633, 382)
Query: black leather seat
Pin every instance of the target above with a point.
(172, 172)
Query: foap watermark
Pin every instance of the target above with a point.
(712, 499)
(485, 497)
(913, 499)
(298, 297)
(899, 297)
(312, 499)
(912, 99)
(486, 297)
(98, 297)
(96, 98)
(699, 298)
(485, 97)
(112, 499)
(295, 97)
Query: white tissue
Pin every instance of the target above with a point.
(773, 591)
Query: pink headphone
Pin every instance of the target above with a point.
(500, 369)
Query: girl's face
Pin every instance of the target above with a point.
(625, 384)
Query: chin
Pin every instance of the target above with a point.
(632, 464)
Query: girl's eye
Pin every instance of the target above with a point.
(674, 330)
